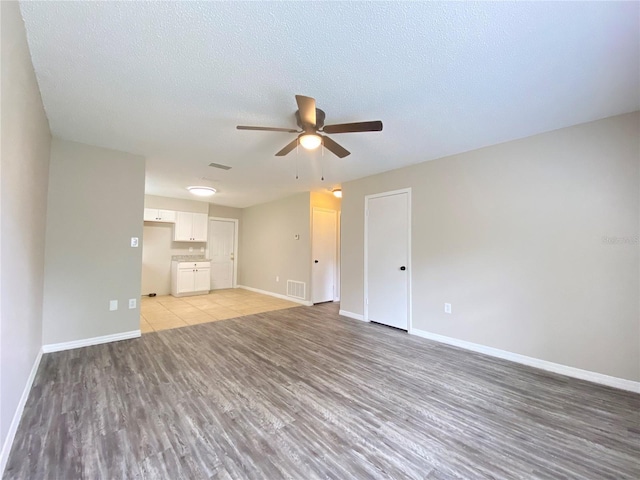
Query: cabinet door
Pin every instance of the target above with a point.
(185, 280)
(183, 228)
(200, 221)
(168, 216)
(202, 279)
(150, 215)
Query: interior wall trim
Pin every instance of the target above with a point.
(587, 375)
(277, 295)
(13, 428)
(355, 316)
(87, 342)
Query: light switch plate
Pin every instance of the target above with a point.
(447, 308)
(132, 303)
(113, 305)
(134, 241)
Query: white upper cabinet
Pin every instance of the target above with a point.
(155, 215)
(190, 227)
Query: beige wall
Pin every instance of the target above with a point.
(95, 206)
(325, 200)
(517, 237)
(225, 212)
(177, 204)
(23, 194)
(268, 248)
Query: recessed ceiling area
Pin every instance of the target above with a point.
(171, 81)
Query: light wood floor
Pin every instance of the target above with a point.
(305, 394)
(167, 312)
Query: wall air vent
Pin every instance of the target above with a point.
(222, 167)
(296, 289)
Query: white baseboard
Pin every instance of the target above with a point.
(277, 295)
(594, 377)
(13, 428)
(355, 316)
(87, 342)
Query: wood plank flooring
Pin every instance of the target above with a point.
(305, 394)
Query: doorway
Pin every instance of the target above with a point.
(222, 247)
(387, 279)
(324, 238)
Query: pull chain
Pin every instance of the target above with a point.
(297, 154)
(322, 163)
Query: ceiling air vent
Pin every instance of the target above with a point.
(217, 165)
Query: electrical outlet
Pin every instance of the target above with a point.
(113, 305)
(447, 308)
(132, 303)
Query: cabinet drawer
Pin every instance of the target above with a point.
(192, 265)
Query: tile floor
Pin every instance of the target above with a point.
(166, 312)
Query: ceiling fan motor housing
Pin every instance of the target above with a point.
(320, 115)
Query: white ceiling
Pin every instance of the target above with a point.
(172, 80)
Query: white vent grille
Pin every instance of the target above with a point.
(296, 289)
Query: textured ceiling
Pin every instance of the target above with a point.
(172, 80)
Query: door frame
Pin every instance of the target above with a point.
(235, 245)
(366, 252)
(335, 253)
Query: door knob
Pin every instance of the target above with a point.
(315, 261)
(403, 268)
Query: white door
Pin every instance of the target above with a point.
(323, 251)
(221, 252)
(387, 258)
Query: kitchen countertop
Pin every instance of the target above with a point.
(189, 258)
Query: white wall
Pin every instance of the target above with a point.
(95, 206)
(268, 248)
(23, 194)
(517, 237)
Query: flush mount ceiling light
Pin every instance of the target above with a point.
(337, 192)
(202, 191)
(310, 141)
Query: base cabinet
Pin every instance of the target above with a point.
(190, 278)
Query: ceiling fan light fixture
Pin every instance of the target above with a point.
(310, 141)
(337, 192)
(201, 191)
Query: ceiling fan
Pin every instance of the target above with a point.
(311, 122)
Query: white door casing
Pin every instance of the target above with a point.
(222, 248)
(387, 250)
(324, 236)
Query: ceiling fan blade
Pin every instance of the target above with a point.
(267, 129)
(335, 148)
(374, 126)
(290, 146)
(307, 109)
